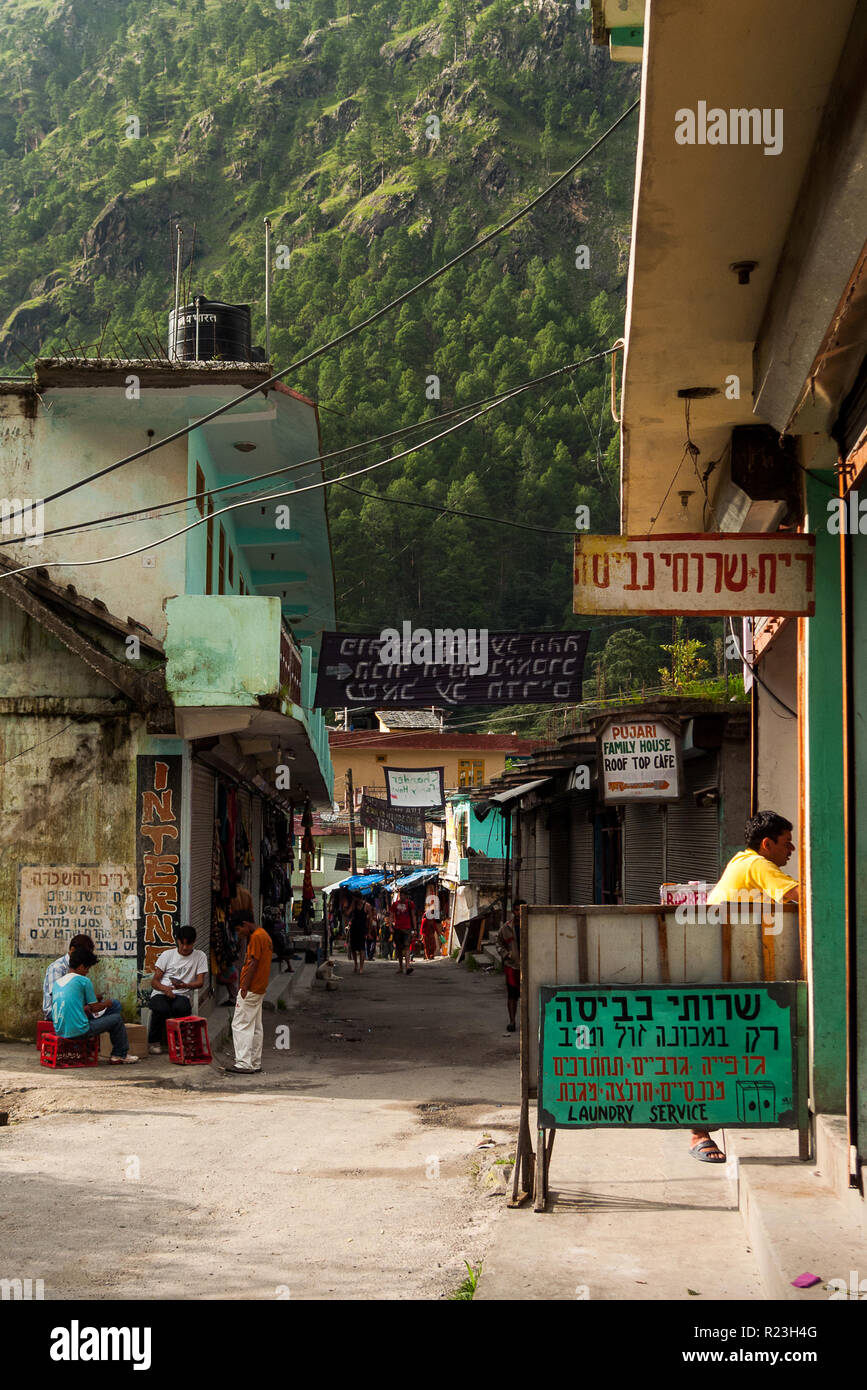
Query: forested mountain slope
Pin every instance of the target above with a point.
(321, 118)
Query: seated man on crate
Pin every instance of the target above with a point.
(754, 875)
(80, 1013)
(57, 969)
(177, 972)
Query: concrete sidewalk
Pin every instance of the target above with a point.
(630, 1216)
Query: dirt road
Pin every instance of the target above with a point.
(349, 1169)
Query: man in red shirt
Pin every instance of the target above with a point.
(403, 922)
(247, 1034)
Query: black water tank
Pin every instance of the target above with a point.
(224, 332)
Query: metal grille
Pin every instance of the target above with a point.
(580, 849)
(643, 852)
(693, 832)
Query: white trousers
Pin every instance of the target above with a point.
(247, 1034)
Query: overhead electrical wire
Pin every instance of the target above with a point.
(349, 332)
(98, 523)
(285, 492)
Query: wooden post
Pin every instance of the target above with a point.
(352, 860)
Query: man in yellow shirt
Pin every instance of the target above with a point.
(755, 874)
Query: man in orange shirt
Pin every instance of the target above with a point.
(247, 1032)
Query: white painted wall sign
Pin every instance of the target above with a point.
(415, 786)
(718, 575)
(59, 901)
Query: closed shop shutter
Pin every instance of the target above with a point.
(203, 804)
(643, 852)
(580, 849)
(559, 853)
(692, 833)
(526, 888)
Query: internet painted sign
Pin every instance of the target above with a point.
(668, 1057)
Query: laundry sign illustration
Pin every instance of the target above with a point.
(756, 1100)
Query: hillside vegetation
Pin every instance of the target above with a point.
(381, 140)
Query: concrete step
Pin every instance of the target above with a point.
(795, 1222)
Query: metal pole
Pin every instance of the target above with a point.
(267, 289)
(198, 312)
(174, 343)
(352, 861)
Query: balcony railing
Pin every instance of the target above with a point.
(291, 666)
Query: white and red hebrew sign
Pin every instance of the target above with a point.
(717, 575)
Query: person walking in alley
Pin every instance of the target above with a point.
(508, 945)
(430, 927)
(76, 1005)
(177, 973)
(358, 932)
(754, 875)
(247, 1033)
(403, 930)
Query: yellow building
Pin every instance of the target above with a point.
(468, 759)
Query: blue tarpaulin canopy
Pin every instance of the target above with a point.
(417, 876)
(356, 883)
(361, 883)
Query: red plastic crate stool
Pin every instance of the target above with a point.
(44, 1026)
(188, 1040)
(68, 1052)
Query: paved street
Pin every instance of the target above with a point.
(349, 1169)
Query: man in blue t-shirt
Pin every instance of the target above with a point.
(75, 1002)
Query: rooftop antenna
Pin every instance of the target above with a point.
(267, 289)
(180, 233)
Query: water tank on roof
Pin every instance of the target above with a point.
(209, 331)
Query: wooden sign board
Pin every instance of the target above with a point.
(672, 1056)
(716, 575)
(639, 760)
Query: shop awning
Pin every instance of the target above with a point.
(514, 792)
(356, 883)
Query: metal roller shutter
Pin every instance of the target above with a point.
(201, 849)
(526, 888)
(559, 852)
(542, 877)
(643, 852)
(692, 832)
(580, 849)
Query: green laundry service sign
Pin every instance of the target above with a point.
(672, 1056)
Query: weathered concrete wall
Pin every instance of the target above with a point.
(83, 431)
(68, 744)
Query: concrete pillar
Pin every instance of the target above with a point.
(822, 850)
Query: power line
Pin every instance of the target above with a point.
(271, 496)
(455, 511)
(98, 523)
(356, 328)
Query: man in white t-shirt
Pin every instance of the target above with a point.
(177, 973)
